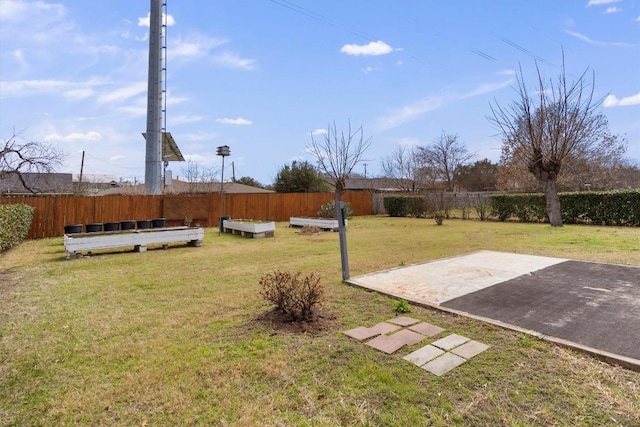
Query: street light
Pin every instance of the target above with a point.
(223, 151)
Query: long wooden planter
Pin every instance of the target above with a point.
(251, 229)
(322, 223)
(74, 244)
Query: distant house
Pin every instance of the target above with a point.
(383, 185)
(183, 187)
(38, 183)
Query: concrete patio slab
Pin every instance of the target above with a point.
(438, 281)
(587, 306)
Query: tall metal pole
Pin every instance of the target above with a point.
(153, 159)
(220, 201)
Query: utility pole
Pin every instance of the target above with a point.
(365, 170)
(153, 159)
(81, 170)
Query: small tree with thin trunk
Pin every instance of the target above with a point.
(545, 129)
(19, 158)
(338, 154)
(443, 157)
(401, 165)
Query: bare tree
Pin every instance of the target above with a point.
(544, 130)
(443, 157)
(338, 154)
(402, 167)
(19, 158)
(201, 179)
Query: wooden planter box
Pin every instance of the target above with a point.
(248, 228)
(322, 223)
(74, 244)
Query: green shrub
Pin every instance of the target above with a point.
(620, 207)
(329, 210)
(292, 294)
(527, 207)
(400, 206)
(15, 222)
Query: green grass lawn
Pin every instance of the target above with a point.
(179, 336)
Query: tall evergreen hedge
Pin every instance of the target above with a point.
(15, 221)
(619, 207)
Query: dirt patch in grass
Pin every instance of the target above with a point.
(322, 322)
(8, 280)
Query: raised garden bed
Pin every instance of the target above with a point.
(249, 228)
(76, 243)
(322, 223)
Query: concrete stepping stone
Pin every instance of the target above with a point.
(443, 364)
(391, 343)
(426, 329)
(361, 333)
(470, 349)
(423, 355)
(403, 321)
(450, 341)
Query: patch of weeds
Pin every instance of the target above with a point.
(401, 306)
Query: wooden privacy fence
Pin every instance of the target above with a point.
(52, 213)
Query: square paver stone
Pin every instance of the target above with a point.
(426, 329)
(443, 364)
(391, 343)
(403, 321)
(383, 328)
(450, 341)
(470, 349)
(423, 355)
(361, 333)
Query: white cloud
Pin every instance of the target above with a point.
(413, 111)
(123, 94)
(194, 46)
(371, 49)
(409, 112)
(613, 9)
(22, 10)
(600, 2)
(507, 73)
(239, 121)
(367, 70)
(146, 21)
(117, 157)
(26, 87)
(318, 132)
(231, 60)
(484, 88)
(75, 137)
(589, 40)
(612, 101)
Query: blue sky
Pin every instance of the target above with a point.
(262, 75)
